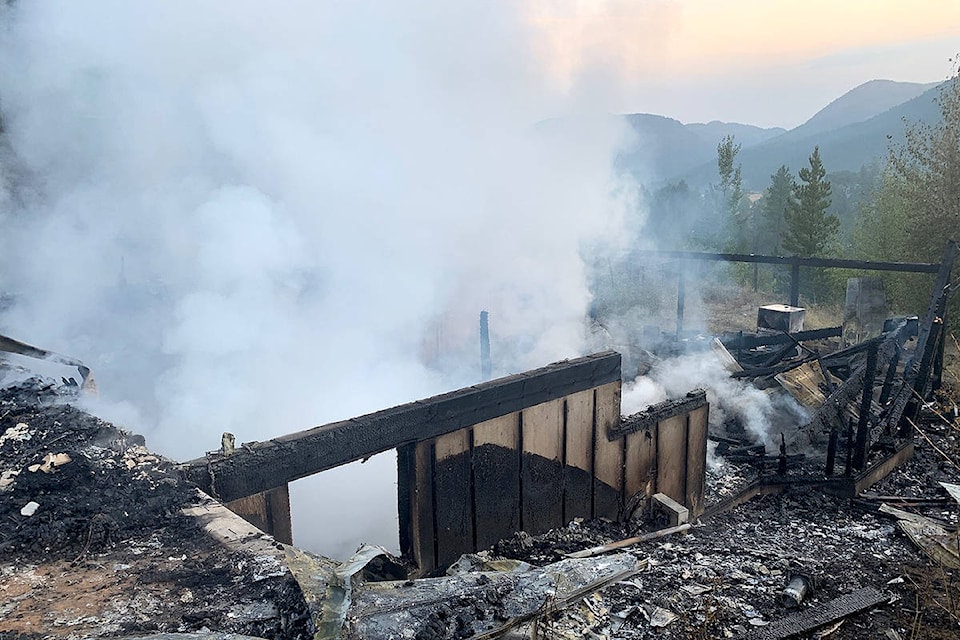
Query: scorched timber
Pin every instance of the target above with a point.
(261, 466)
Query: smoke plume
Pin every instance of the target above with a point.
(258, 219)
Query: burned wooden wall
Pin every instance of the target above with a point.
(527, 452)
(542, 466)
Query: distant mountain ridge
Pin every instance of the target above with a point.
(859, 104)
(861, 134)
(666, 147)
(852, 131)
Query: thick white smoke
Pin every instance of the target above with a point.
(762, 414)
(259, 218)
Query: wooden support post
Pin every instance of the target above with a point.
(921, 380)
(832, 451)
(848, 470)
(416, 504)
(795, 284)
(889, 377)
(937, 382)
(863, 428)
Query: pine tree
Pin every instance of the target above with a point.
(731, 201)
(775, 201)
(809, 227)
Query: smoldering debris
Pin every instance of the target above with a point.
(93, 541)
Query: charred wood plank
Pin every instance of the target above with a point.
(266, 465)
(795, 625)
(659, 412)
(608, 453)
(747, 341)
(496, 479)
(541, 467)
(578, 456)
(936, 308)
(863, 427)
(772, 371)
(830, 412)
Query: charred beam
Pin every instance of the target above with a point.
(659, 412)
(935, 310)
(799, 261)
(768, 371)
(754, 341)
(863, 427)
(830, 412)
(260, 466)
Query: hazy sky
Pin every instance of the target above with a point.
(764, 62)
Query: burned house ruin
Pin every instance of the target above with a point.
(510, 495)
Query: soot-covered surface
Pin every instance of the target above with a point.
(726, 577)
(93, 542)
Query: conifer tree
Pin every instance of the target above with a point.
(809, 227)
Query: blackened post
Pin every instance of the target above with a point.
(919, 384)
(782, 466)
(832, 450)
(681, 293)
(863, 428)
(891, 374)
(795, 284)
(938, 360)
(849, 467)
(486, 366)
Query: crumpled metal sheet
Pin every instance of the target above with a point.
(328, 586)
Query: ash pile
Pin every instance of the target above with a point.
(99, 537)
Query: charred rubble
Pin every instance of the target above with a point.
(845, 528)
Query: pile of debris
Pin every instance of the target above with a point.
(100, 537)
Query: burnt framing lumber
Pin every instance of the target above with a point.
(739, 341)
(261, 466)
(829, 415)
(659, 412)
(904, 403)
(798, 624)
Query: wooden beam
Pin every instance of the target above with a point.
(261, 466)
(800, 261)
(659, 412)
(747, 341)
(882, 469)
(416, 504)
